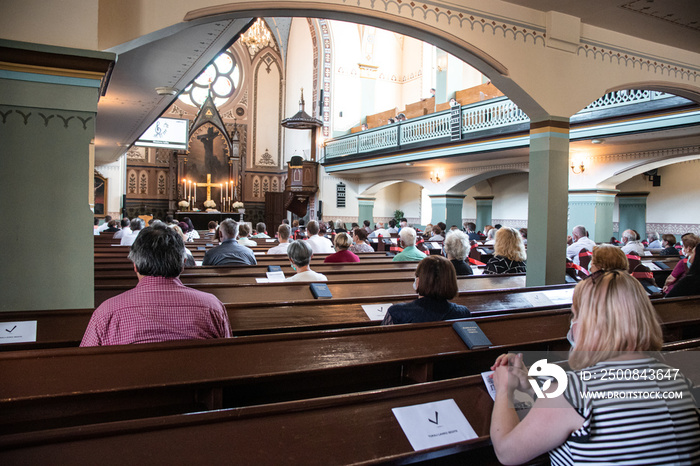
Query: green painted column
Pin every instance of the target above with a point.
(447, 208)
(547, 201)
(365, 210)
(484, 208)
(594, 210)
(46, 127)
(633, 212)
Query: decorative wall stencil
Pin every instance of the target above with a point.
(136, 153)
(275, 185)
(256, 186)
(266, 159)
(131, 182)
(143, 182)
(163, 155)
(161, 183)
(265, 185)
(46, 118)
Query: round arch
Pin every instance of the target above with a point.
(473, 180)
(639, 168)
(458, 34)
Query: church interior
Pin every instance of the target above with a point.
(526, 113)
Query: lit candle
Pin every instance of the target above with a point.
(221, 194)
(195, 192)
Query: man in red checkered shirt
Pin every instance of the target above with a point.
(160, 307)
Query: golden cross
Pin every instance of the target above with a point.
(209, 185)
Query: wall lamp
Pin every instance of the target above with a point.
(435, 176)
(577, 169)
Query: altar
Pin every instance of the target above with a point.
(200, 220)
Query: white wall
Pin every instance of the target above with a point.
(299, 74)
(674, 203)
(116, 175)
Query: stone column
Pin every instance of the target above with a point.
(48, 105)
(365, 210)
(447, 208)
(633, 213)
(593, 209)
(547, 201)
(484, 208)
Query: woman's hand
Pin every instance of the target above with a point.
(510, 373)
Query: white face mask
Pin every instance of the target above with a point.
(570, 334)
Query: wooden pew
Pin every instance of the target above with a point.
(342, 290)
(65, 328)
(381, 118)
(344, 429)
(122, 382)
(477, 93)
(360, 427)
(420, 108)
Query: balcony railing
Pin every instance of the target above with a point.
(490, 114)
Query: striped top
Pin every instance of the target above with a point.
(634, 428)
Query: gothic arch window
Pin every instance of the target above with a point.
(162, 183)
(224, 74)
(143, 182)
(131, 182)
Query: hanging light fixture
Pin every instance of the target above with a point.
(257, 37)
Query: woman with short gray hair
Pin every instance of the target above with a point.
(300, 253)
(457, 247)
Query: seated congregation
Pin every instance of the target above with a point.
(613, 325)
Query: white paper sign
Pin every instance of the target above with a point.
(198, 263)
(652, 266)
(275, 277)
(435, 245)
(434, 424)
(270, 240)
(648, 253)
(258, 253)
(477, 270)
(376, 311)
(561, 296)
(538, 299)
(18, 332)
(522, 401)
(262, 280)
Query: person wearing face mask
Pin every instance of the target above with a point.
(436, 282)
(300, 253)
(689, 285)
(604, 414)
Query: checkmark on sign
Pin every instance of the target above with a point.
(10, 331)
(436, 419)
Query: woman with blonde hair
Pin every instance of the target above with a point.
(508, 253)
(617, 406)
(342, 244)
(608, 257)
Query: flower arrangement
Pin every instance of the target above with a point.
(210, 204)
(183, 204)
(237, 205)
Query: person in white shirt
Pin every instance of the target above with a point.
(631, 243)
(136, 225)
(126, 230)
(105, 225)
(318, 243)
(379, 231)
(243, 233)
(283, 233)
(580, 241)
(260, 231)
(300, 253)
